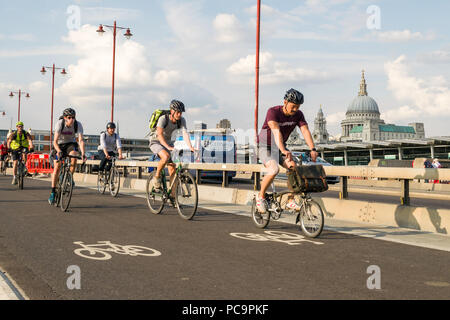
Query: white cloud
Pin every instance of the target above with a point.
(399, 36)
(186, 21)
(402, 114)
(335, 118)
(104, 14)
(436, 57)
(227, 28)
(273, 72)
(428, 96)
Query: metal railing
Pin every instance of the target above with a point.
(405, 175)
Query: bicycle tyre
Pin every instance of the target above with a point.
(186, 190)
(154, 199)
(20, 175)
(101, 184)
(311, 209)
(66, 191)
(114, 182)
(258, 219)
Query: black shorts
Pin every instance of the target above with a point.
(15, 153)
(3, 157)
(66, 149)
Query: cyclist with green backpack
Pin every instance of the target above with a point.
(164, 126)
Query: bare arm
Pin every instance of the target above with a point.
(275, 128)
(81, 144)
(187, 139)
(55, 142)
(309, 141)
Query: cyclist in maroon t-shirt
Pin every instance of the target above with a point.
(278, 126)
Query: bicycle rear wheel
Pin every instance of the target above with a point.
(66, 191)
(101, 182)
(114, 182)
(186, 198)
(260, 220)
(154, 198)
(311, 219)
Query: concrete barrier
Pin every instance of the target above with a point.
(416, 218)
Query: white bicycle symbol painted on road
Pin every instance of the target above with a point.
(291, 239)
(100, 250)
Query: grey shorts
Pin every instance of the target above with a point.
(156, 148)
(267, 153)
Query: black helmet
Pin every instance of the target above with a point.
(111, 125)
(177, 105)
(69, 112)
(294, 96)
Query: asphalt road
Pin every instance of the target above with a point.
(200, 259)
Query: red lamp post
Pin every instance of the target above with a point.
(63, 72)
(20, 93)
(257, 70)
(128, 35)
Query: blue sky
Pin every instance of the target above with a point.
(202, 52)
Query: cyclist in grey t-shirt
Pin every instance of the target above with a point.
(68, 130)
(163, 142)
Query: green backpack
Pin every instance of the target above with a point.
(158, 113)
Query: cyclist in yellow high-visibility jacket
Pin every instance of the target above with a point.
(19, 141)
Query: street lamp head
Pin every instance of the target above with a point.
(27, 96)
(100, 30)
(43, 71)
(63, 72)
(11, 95)
(128, 34)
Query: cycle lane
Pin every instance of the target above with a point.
(199, 259)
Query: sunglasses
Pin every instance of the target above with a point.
(19, 126)
(69, 118)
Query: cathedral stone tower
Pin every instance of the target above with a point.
(320, 134)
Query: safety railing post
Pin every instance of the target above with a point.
(343, 194)
(405, 199)
(224, 179)
(256, 181)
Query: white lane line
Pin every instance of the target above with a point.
(7, 289)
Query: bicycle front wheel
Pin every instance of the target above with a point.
(66, 191)
(101, 182)
(311, 219)
(260, 220)
(186, 198)
(114, 182)
(154, 197)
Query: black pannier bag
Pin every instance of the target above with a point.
(307, 179)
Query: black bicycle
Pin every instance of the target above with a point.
(110, 179)
(21, 166)
(64, 187)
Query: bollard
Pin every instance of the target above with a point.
(125, 172)
(198, 176)
(405, 199)
(256, 181)
(224, 179)
(139, 172)
(343, 194)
